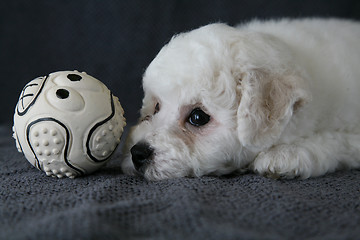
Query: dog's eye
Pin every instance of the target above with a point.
(198, 117)
(157, 108)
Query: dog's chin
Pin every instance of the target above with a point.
(155, 172)
(127, 166)
(152, 173)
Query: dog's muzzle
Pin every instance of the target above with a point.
(141, 154)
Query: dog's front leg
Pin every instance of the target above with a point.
(284, 161)
(309, 157)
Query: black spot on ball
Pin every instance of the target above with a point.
(62, 93)
(74, 77)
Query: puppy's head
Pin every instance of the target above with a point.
(213, 98)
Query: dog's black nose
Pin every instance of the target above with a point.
(141, 154)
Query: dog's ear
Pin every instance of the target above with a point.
(267, 104)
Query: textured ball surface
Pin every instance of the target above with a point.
(67, 123)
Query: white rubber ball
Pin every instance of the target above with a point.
(67, 123)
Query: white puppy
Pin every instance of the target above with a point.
(281, 98)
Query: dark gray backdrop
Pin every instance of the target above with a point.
(115, 40)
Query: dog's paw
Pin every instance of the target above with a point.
(284, 161)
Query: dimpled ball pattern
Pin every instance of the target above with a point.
(67, 123)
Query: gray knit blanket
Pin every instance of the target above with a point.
(110, 205)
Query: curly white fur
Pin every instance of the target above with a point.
(282, 96)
